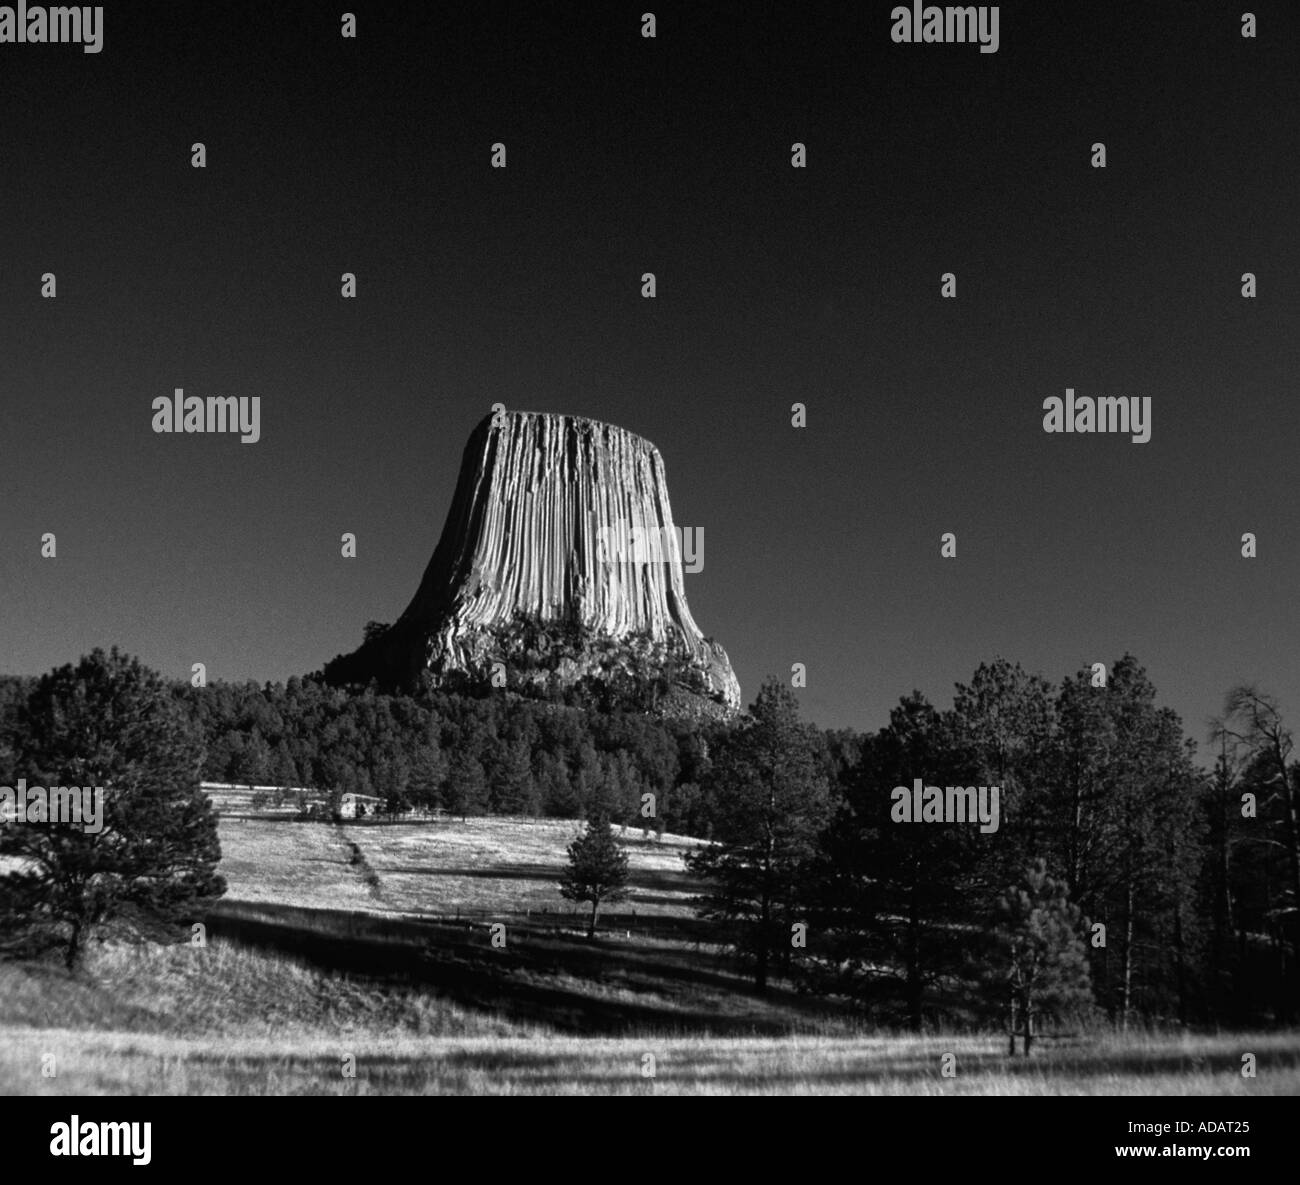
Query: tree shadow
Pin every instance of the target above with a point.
(543, 974)
(516, 872)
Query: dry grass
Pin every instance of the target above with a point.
(510, 866)
(290, 863)
(426, 1004)
(116, 1063)
(224, 990)
(482, 866)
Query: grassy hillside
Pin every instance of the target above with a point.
(481, 867)
(414, 903)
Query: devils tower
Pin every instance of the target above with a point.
(559, 563)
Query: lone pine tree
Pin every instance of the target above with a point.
(597, 869)
(109, 722)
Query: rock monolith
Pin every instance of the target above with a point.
(559, 564)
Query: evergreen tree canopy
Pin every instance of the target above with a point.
(110, 722)
(597, 870)
(768, 800)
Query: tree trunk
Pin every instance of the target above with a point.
(1012, 1027)
(760, 966)
(1293, 850)
(1181, 964)
(1284, 996)
(1029, 1027)
(914, 963)
(1076, 844)
(591, 927)
(1224, 925)
(1225, 851)
(1128, 956)
(72, 957)
(765, 909)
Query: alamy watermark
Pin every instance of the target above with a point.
(1110, 413)
(80, 1137)
(75, 805)
(953, 24)
(55, 26)
(216, 413)
(622, 543)
(946, 804)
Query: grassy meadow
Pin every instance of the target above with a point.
(373, 942)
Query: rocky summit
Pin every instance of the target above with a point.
(559, 565)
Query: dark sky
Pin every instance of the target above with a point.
(775, 285)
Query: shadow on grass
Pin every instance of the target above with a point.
(510, 872)
(545, 974)
(640, 883)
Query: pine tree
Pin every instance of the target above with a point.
(283, 774)
(467, 788)
(1040, 964)
(110, 722)
(588, 781)
(514, 791)
(1005, 720)
(254, 760)
(559, 797)
(597, 870)
(769, 800)
(428, 781)
(392, 781)
(1253, 721)
(895, 901)
(1121, 811)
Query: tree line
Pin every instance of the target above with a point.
(489, 753)
(1122, 877)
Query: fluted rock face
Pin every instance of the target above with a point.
(559, 560)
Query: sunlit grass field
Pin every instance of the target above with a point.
(477, 866)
